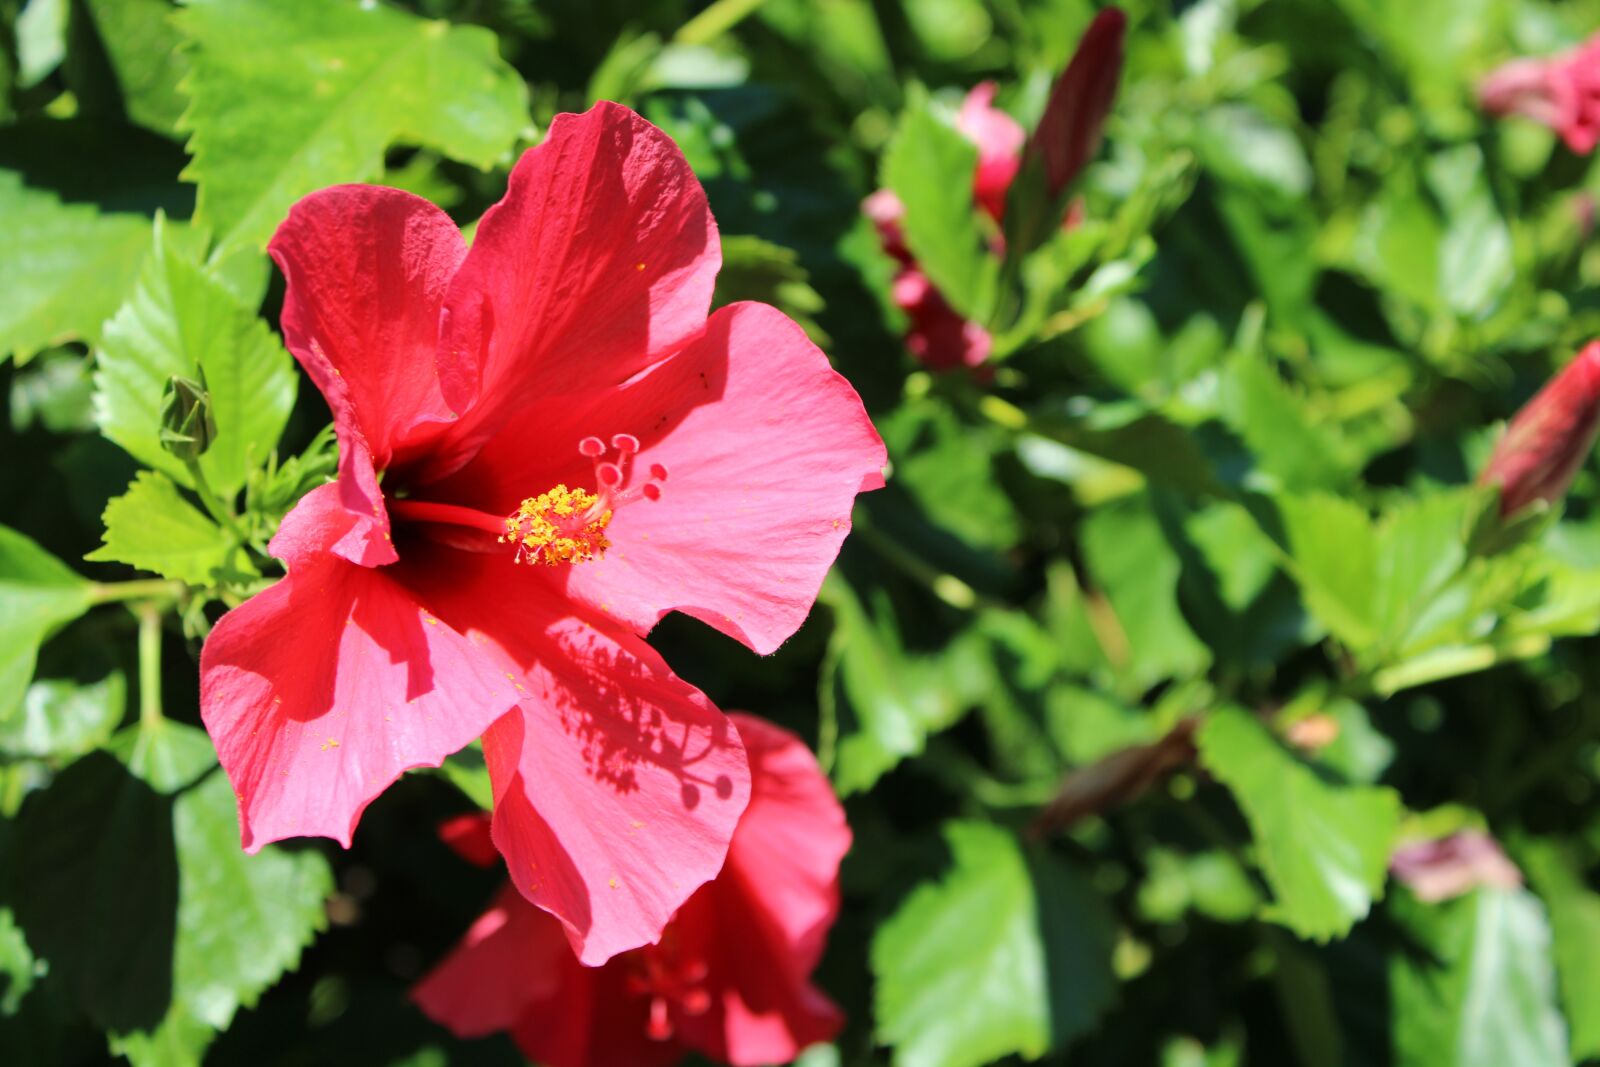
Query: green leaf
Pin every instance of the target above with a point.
(55, 392)
(1575, 923)
(1478, 988)
(99, 903)
(155, 529)
(1289, 445)
(181, 321)
(1003, 955)
(142, 46)
(1323, 847)
(66, 267)
(165, 755)
(41, 30)
(40, 594)
(60, 719)
(929, 165)
(288, 96)
(1332, 554)
(892, 700)
(1132, 563)
(16, 964)
(1476, 262)
(242, 923)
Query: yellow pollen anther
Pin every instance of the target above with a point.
(560, 526)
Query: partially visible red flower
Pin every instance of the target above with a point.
(569, 448)
(1067, 137)
(1548, 440)
(1448, 867)
(731, 976)
(1562, 92)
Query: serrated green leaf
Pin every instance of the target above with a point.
(1292, 450)
(180, 321)
(1478, 988)
(40, 594)
(1476, 260)
(60, 719)
(1005, 954)
(288, 96)
(1575, 923)
(243, 921)
(929, 166)
(65, 269)
(99, 904)
(155, 529)
(1323, 847)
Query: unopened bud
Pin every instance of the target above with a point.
(1549, 439)
(1068, 134)
(187, 425)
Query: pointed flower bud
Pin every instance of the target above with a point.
(187, 425)
(1068, 134)
(1549, 438)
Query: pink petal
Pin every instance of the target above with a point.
(764, 447)
(512, 956)
(600, 259)
(618, 785)
(594, 1021)
(322, 690)
(366, 269)
(763, 922)
(999, 138)
(328, 519)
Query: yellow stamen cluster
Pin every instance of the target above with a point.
(560, 526)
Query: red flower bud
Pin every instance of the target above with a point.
(1549, 438)
(1068, 135)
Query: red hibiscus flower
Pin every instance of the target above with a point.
(1562, 92)
(1547, 442)
(1066, 139)
(730, 977)
(545, 446)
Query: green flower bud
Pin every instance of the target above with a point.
(187, 425)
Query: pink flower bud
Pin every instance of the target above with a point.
(1068, 134)
(1447, 868)
(1549, 438)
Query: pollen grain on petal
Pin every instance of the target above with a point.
(560, 525)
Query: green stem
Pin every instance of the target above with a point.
(139, 589)
(149, 665)
(714, 21)
(213, 503)
(947, 587)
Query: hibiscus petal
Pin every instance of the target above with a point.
(367, 268)
(765, 451)
(512, 956)
(617, 785)
(600, 258)
(762, 924)
(322, 690)
(764, 447)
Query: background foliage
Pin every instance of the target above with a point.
(1204, 528)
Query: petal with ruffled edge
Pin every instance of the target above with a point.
(600, 258)
(617, 785)
(366, 270)
(321, 691)
(764, 446)
(762, 924)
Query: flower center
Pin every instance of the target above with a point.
(561, 524)
(670, 981)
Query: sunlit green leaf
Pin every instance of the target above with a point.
(1005, 954)
(155, 529)
(40, 594)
